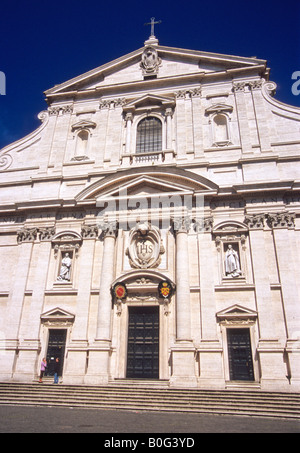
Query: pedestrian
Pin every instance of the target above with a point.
(43, 369)
(56, 370)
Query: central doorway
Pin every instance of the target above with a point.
(143, 343)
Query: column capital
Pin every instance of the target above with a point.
(109, 229)
(281, 220)
(239, 87)
(204, 225)
(255, 222)
(89, 231)
(181, 224)
(169, 112)
(129, 117)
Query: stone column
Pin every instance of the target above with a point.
(106, 279)
(183, 307)
(183, 351)
(100, 351)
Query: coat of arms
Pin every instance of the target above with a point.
(165, 289)
(145, 246)
(120, 291)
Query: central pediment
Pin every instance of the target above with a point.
(174, 63)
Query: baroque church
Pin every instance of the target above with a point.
(149, 228)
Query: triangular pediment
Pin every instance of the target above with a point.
(83, 124)
(219, 108)
(236, 311)
(149, 100)
(174, 62)
(57, 314)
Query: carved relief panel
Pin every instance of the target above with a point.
(145, 247)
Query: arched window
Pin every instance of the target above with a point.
(149, 135)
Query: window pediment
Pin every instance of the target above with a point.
(84, 124)
(148, 101)
(57, 315)
(218, 108)
(236, 312)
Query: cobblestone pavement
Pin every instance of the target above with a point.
(16, 419)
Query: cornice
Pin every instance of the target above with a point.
(263, 186)
(175, 82)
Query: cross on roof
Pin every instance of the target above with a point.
(152, 23)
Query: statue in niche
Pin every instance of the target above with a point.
(232, 262)
(65, 268)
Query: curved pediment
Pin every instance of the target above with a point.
(230, 226)
(148, 181)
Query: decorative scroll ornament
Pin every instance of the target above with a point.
(145, 247)
(5, 161)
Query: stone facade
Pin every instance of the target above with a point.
(91, 227)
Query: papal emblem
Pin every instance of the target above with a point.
(120, 291)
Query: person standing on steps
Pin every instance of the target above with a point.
(43, 369)
(56, 370)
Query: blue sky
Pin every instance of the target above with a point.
(44, 43)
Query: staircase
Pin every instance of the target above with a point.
(149, 397)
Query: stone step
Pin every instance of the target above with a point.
(254, 403)
(177, 404)
(192, 393)
(148, 394)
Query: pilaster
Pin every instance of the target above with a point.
(283, 225)
(242, 114)
(78, 348)
(100, 350)
(270, 350)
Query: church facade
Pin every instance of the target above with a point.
(149, 228)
